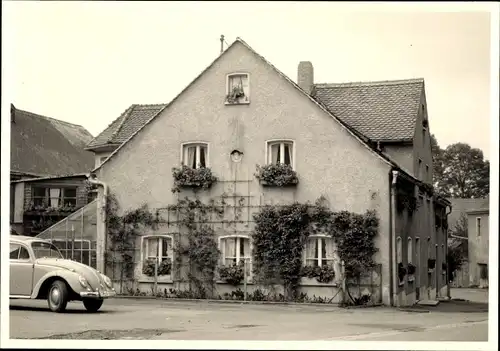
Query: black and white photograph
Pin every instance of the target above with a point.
(250, 175)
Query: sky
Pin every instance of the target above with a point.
(86, 62)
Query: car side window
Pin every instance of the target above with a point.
(14, 251)
(18, 252)
(24, 254)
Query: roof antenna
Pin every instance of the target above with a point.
(221, 43)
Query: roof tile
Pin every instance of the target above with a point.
(381, 111)
(47, 146)
(131, 120)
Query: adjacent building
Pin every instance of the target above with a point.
(468, 227)
(48, 167)
(478, 225)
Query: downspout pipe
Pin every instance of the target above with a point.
(93, 180)
(448, 290)
(393, 175)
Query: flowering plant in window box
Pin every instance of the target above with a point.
(192, 178)
(235, 95)
(164, 268)
(323, 274)
(50, 209)
(276, 175)
(411, 271)
(401, 272)
(232, 274)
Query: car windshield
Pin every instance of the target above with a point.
(43, 249)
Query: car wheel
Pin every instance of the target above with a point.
(58, 296)
(92, 305)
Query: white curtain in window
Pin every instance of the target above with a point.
(233, 82)
(230, 250)
(239, 81)
(275, 154)
(244, 83)
(312, 252)
(54, 197)
(191, 156)
(152, 247)
(329, 249)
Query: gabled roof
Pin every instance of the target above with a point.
(381, 111)
(354, 133)
(46, 146)
(133, 119)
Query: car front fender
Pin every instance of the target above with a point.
(69, 277)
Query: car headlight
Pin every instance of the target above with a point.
(83, 281)
(107, 281)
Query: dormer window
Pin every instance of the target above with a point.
(237, 89)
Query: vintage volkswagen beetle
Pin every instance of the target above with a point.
(38, 270)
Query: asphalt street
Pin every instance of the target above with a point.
(189, 320)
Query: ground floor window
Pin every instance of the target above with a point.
(159, 249)
(236, 249)
(319, 251)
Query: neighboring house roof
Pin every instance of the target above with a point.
(130, 121)
(46, 146)
(462, 206)
(381, 111)
(77, 175)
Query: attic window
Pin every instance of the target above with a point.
(425, 123)
(237, 88)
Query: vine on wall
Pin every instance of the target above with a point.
(123, 231)
(200, 249)
(279, 239)
(281, 232)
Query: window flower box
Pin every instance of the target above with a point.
(164, 268)
(278, 175)
(324, 274)
(232, 274)
(411, 269)
(187, 177)
(236, 95)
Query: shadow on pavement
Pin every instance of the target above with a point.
(43, 309)
(453, 307)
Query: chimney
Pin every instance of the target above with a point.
(12, 113)
(305, 76)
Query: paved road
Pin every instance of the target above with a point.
(184, 320)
